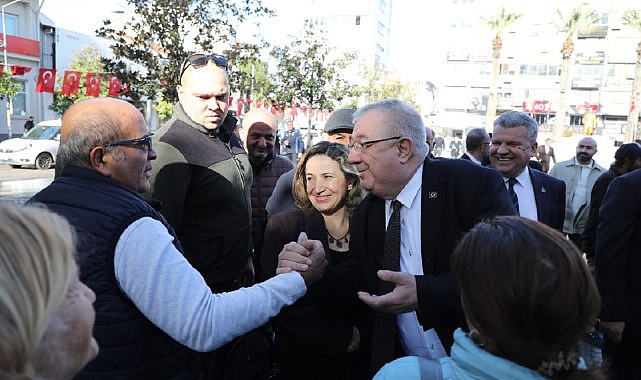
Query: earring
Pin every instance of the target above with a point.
(477, 338)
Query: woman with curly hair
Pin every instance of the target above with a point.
(315, 340)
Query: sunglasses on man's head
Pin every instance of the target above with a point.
(199, 60)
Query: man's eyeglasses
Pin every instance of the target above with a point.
(144, 142)
(360, 146)
(199, 60)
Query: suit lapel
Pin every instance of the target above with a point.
(541, 197)
(432, 204)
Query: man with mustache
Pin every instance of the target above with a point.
(579, 174)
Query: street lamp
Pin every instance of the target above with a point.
(6, 66)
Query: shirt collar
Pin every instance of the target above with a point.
(411, 189)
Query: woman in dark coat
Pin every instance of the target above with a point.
(316, 340)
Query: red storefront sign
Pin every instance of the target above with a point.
(538, 106)
(22, 46)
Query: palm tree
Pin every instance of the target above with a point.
(632, 18)
(578, 19)
(497, 23)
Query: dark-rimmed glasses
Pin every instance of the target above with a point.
(199, 60)
(144, 142)
(360, 146)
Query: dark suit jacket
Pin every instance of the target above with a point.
(617, 259)
(484, 162)
(312, 333)
(544, 158)
(599, 190)
(549, 194)
(456, 194)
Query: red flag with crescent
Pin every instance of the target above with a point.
(19, 70)
(92, 82)
(46, 80)
(70, 83)
(239, 106)
(115, 86)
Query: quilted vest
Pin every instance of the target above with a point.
(131, 347)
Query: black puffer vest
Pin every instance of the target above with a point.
(131, 347)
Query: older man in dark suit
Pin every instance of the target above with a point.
(536, 195)
(439, 201)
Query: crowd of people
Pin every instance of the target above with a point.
(201, 252)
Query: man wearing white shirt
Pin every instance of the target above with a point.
(538, 195)
(579, 174)
(477, 144)
(440, 200)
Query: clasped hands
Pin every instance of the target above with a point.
(305, 256)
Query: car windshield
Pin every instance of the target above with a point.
(42, 132)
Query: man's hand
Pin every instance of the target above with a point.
(248, 274)
(402, 299)
(305, 256)
(613, 330)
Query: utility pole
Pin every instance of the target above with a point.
(6, 65)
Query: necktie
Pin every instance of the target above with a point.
(384, 340)
(392, 247)
(512, 193)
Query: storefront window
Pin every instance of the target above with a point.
(19, 102)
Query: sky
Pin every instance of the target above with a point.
(408, 48)
(67, 14)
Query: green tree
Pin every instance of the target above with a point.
(497, 23)
(577, 19)
(247, 73)
(310, 73)
(150, 49)
(632, 18)
(382, 85)
(85, 60)
(8, 88)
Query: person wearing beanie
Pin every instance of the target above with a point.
(259, 133)
(626, 159)
(338, 128)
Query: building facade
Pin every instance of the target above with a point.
(22, 53)
(601, 73)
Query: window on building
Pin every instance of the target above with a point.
(19, 102)
(358, 20)
(11, 24)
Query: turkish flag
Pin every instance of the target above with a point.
(115, 86)
(93, 84)
(46, 80)
(19, 70)
(70, 83)
(239, 106)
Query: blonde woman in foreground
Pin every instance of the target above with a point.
(46, 313)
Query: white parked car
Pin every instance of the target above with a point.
(36, 148)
